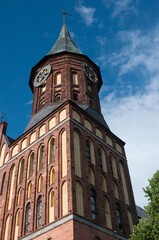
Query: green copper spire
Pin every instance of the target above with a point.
(64, 43)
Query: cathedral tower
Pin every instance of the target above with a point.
(66, 176)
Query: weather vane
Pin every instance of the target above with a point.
(64, 16)
(3, 115)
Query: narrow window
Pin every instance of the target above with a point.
(58, 78)
(104, 184)
(79, 199)
(75, 96)
(21, 171)
(39, 212)
(51, 206)
(30, 165)
(124, 184)
(91, 176)
(100, 158)
(107, 213)
(93, 204)
(41, 158)
(6, 230)
(57, 97)
(74, 79)
(29, 190)
(115, 189)
(11, 186)
(19, 196)
(51, 150)
(16, 225)
(64, 153)
(52, 176)
(113, 168)
(64, 199)
(88, 151)
(40, 187)
(27, 218)
(77, 153)
(130, 220)
(2, 184)
(119, 219)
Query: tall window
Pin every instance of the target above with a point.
(77, 153)
(19, 196)
(52, 150)
(113, 168)
(40, 187)
(74, 78)
(91, 176)
(6, 229)
(88, 151)
(64, 199)
(124, 184)
(29, 190)
(27, 218)
(58, 78)
(41, 158)
(52, 176)
(39, 212)
(93, 204)
(17, 223)
(30, 165)
(79, 199)
(2, 184)
(100, 158)
(104, 184)
(107, 213)
(119, 218)
(21, 171)
(51, 206)
(11, 186)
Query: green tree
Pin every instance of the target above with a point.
(148, 228)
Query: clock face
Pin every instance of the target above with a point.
(42, 75)
(89, 72)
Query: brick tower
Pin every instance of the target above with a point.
(66, 176)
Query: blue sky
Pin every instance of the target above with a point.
(121, 37)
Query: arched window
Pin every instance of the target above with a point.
(115, 189)
(113, 166)
(130, 220)
(27, 217)
(6, 229)
(11, 186)
(79, 199)
(93, 204)
(19, 196)
(51, 206)
(77, 153)
(2, 184)
(52, 176)
(75, 96)
(124, 184)
(119, 218)
(2, 154)
(41, 158)
(64, 153)
(74, 78)
(64, 199)
(40, 186)
(51, 150)
(91, 176)
(30, 165)
(39, 212)
(58, 78)
(57, 97)
(104, 184)
(107, 213)
(21, 171)
(29, 190)
(101, 159)
(16, 225)
(88, 151)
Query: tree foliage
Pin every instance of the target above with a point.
(148, 228)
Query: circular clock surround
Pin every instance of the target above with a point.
(42, 75)
(89, 72)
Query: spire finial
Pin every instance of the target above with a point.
(64, 16)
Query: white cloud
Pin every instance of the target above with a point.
(135, 118)
(29, 102)
(101, 40)
(87, 13)
(120, 6)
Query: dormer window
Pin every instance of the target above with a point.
(58, 78)
(74, 78)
